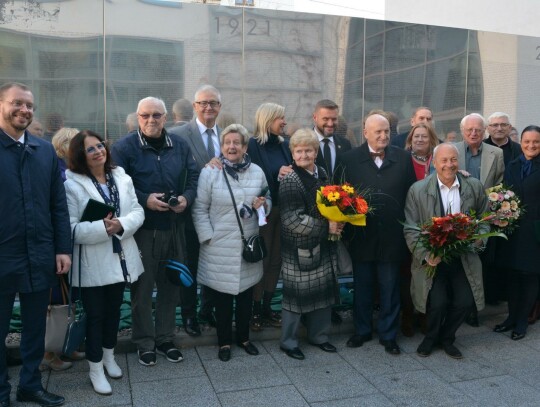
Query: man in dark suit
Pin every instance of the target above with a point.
(378, 249)
(35, 239)
(325, 120)
(422, 114)
(202, 135)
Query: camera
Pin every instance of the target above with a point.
(170, 198)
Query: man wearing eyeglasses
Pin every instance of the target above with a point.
(202, 135)
(499, 129)
(35, 241)
(161, 166)
(481, 161)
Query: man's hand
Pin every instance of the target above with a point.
(464, 173)
(63, 263)
(433, 261)
(182, 205)
(284, 170)
(214, 163)
(154, 204)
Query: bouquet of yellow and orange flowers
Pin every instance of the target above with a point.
(342, 203)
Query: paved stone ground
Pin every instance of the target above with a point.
(496, 371)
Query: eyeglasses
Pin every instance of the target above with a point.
(470, 131)
(97, 147)
(501, 125)
(155, 116)
(18, 104)
(204, 103)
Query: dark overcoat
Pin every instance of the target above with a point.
(35, 219)
(382, 237)
(522, 250)
(309, 260)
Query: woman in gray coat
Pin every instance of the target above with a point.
(221, 266)
(309, 259)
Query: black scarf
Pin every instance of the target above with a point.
(114, 200)
(312, 185)
(526, 166)
(234, 168)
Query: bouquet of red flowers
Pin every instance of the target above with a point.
(342, 203)
(505, 207)
(450, 236)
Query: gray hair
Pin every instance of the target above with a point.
(437, 147)
(472, 116)
(182, 110)
(497, 115)
(304, 137)
(235, 128)
(131, 121)
(152, 99)
(209, 89)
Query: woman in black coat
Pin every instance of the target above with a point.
(521, 254)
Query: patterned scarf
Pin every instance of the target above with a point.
(234, 168)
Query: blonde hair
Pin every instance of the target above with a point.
(61, 140)
(304, 137)
(433, 139)
(264, 117)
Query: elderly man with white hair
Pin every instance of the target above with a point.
(161, 166)
(456, 288)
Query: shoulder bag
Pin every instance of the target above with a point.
(254, 249)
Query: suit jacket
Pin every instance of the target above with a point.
(190, 133)
(382, 237)
(491, 164)
(342, 146)
(522, 250)
(423, 203)
(399, 140)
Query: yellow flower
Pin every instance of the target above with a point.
(333, 196)
(348, 189)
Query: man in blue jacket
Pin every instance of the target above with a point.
(34, 238)
(165, 177)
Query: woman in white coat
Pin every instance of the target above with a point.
(221, 266)
(104, 242)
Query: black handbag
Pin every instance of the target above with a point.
(254, 249)
(76, 329)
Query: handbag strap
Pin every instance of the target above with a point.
(234, 205)
(71, 274)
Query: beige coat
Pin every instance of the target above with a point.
(491, 164)
(423, 203)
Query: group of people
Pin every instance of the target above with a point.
(195, 192)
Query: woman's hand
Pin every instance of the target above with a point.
(258, 201)
(112, 225)
(335, 228)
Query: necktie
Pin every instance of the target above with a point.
(327, 155)
(210, 143)
(375, 155)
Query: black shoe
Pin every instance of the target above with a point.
(336, 318)
(171, 352)
(210, 319)
(390, 346)
(42, 397)
(425, 348)
(356, 341)
(191, 326)
(224, 353)
(147, 357)
(472, 319)
(502, 328)
(249, 348)
(326, 346)
(516, 336)
(295, 353)
(452, 351)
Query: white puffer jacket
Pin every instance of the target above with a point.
(100, 265)
(221, 266)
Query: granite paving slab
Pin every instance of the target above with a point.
(369, 400)
(265, 397)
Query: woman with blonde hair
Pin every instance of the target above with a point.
(60, 142)
(270, 151)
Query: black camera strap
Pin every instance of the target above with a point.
(235, 210)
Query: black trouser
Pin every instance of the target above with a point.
(449, 302)
(522, 294)
(224, 315)
(188, 295)
(102, 307)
